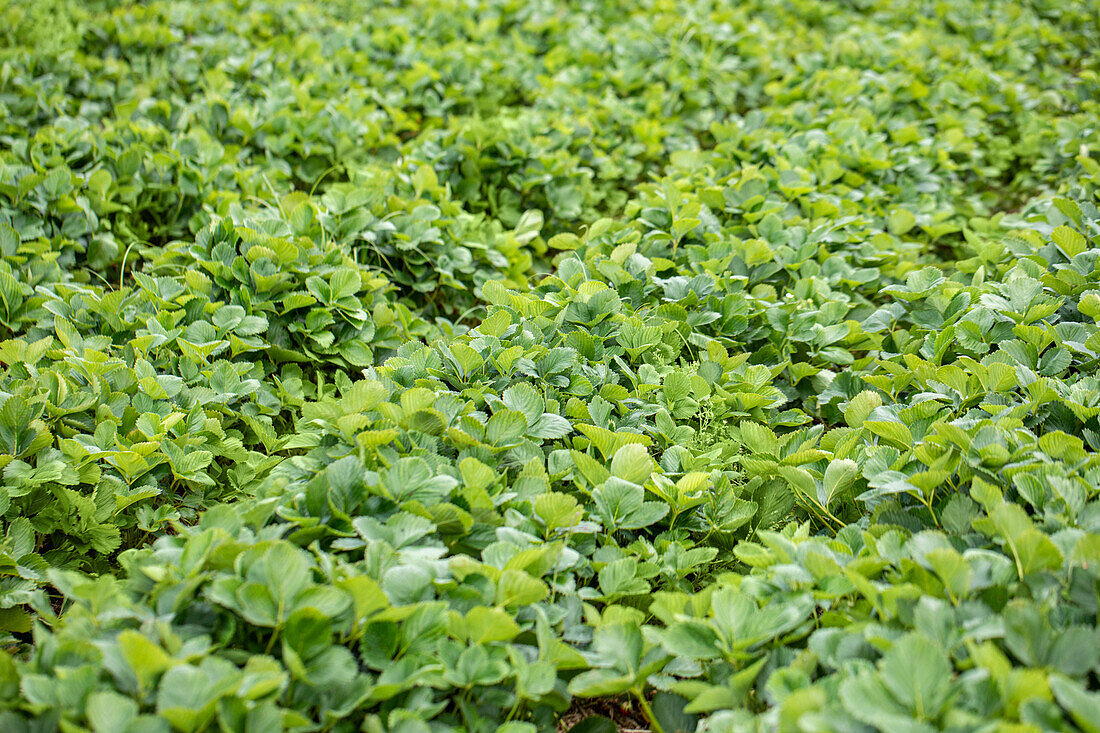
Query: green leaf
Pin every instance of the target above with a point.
(632, 463)
(618, 579)
(800, 480)
(860, 407)
(692, 639)
(517, 588)
(608, 442)
(868, 700)
(549, 426)
(900, 221)
(109, 712)
(668, 708)
(524, 399)
(600, 683)
(918, 674)
(885, 425)
(1070, 241)
(759, 439)
(839, 476)
(505, 428)
(620, 504)
(490, 624)
(1083, 706)
(146, 658)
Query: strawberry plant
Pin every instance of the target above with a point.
(506, 366)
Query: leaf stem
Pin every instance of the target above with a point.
(271, 640)
(648, 710)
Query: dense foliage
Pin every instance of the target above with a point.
(434, 365)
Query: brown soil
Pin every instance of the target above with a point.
(621, 711)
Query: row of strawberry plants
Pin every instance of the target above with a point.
(435, 375)
(447, 531)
